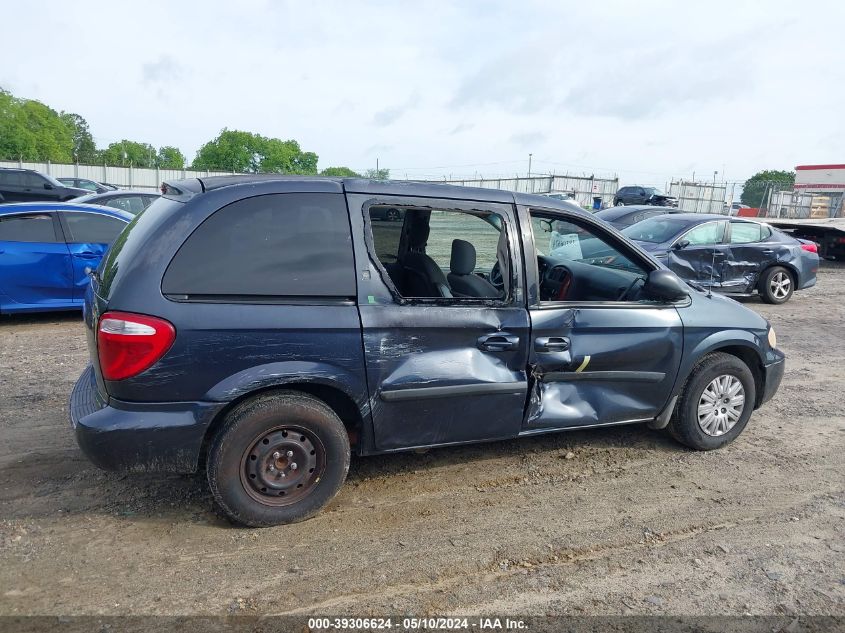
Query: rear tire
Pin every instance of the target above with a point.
(278, 458)
(776, 285)
(716, 403)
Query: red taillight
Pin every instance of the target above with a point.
(810, 248)
(128, 344)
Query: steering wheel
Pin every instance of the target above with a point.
(496, 277)
(565, 284)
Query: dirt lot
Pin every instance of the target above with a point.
(616, 521)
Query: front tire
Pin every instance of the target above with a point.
(278, 458)
(716, 403)
(776, 285)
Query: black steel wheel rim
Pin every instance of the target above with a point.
(283, 465)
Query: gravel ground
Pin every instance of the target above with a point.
(614, 521)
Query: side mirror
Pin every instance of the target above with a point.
(47, 185)
(680, 245)
(666, 285)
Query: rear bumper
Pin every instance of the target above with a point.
(773, 374)
(162, 437)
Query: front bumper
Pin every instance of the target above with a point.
(773, 374)
(138, 436)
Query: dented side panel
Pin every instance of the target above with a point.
(429, 381)
(620, 366)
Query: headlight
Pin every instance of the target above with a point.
(773, 338)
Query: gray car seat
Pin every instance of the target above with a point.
(423, 277)
(462, 279)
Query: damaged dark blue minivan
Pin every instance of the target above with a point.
(265, 328)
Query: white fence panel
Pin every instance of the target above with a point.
(583, 188)
(129, 177)
(699, 197)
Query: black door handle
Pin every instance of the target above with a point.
(551, 344)
(499, 342)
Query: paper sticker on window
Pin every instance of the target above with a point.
(566, 245)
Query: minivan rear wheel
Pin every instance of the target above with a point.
(278, 458)
(716, 403)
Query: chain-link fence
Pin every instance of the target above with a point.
(700, 197)
(580, 189)
(804, 204)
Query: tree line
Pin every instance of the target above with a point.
(32, 131)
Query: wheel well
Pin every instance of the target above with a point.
(337, 400)
(787, 267)
(752, 360)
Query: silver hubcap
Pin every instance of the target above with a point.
(780, 285)
(721, 405)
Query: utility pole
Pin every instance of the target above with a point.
(529, 164)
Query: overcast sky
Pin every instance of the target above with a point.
(648, 90)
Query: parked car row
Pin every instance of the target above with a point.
(28, 185)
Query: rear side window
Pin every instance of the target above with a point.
(36, 227)
(10, 178)
(282, 245)
(745, 232)
(92, 228)
(130, 204)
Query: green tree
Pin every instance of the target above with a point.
(127, 153)
(377, 174)
(236, 150)
(339, 172)
(755, 188)
(170, 158)
(31, 130)
(16, 141)
(83, 148)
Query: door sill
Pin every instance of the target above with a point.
(553, 429)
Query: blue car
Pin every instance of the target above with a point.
(729, 255)
(45, 249)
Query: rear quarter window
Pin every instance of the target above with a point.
(281, 245)
(35, 227)
(92, 228)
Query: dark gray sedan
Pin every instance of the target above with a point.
(625, 216)
(729, 255)
(124, 199)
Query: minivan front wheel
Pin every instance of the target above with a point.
(278, 458)
(716, 403)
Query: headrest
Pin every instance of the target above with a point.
(463, 258)
(418, 236)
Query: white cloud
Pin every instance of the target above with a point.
(648, 89)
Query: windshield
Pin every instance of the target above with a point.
(52, 180)
(657, 229)
(654, 191)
